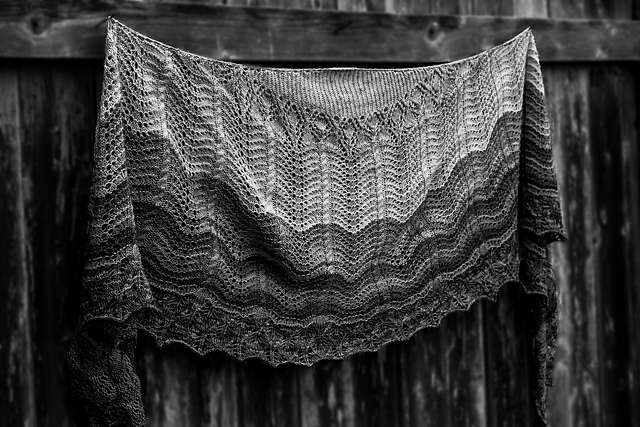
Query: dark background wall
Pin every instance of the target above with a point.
(472, 371)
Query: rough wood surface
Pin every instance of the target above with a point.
(273, 34)
(424, 388)
(17, 382)
(218, 391)
(574, 399)
(631, 182)
(377, 383)
(618, 9)
(464, 356)
(267, 396)
(170, 383)
(596, 372)
(443, 373)
(530, 8)
(507, 360)
(57, 116)
(611, 105)
(44, 172)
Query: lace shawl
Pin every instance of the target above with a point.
(303, 214)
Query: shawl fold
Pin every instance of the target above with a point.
(296, 215)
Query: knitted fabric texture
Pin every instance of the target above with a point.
(296, 215)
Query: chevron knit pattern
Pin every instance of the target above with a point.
(304, 214)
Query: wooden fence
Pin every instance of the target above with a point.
(473, 370)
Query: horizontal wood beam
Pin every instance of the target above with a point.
(264, 34)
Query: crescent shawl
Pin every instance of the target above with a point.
(296, 215)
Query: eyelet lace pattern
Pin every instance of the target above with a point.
(304, 214)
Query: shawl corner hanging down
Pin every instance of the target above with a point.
(304, 214)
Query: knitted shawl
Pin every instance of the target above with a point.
(296, 215)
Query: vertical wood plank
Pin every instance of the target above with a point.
(465, 367)
(506, 350)
(17, 390)
(352, 5)
(377, 387)
(327, 394)
(170, 383)
(284, 397)
(611, 105)
(631, 177)
(57, 120)
(362, 390)
(443, 373)
(218, 390)
(426, 401)
(507, 359)
(458, 7)
(321, 4)
(493, 7)
(438, 7)
(611, 9)
(267, 396)
(530, 8)
(376, 5)
(310, 398)
(410, 7)
(615, 256)
(574, 399)
(596, 9)
(566, 8)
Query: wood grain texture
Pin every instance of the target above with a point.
(530, 8)
(631, 182)
(410, 7)
(575, 398)
(601, 381)
(507, 358)
(455, 7)
(608, 9)
(361, 390)
(57, 121)
(593, 113)
(464, 357)
(352, 5)
(327, 394)
(377, 380)
(269, 34)
(218, 390)
(425, 398)
(266, 396)
(493, 7)
(443, 373)
(170, 383)
(17, 382)
(283, 395)
(611, 105)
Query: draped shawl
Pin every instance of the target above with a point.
(296, 215)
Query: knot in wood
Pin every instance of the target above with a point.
(39, 23)
(433, 31)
